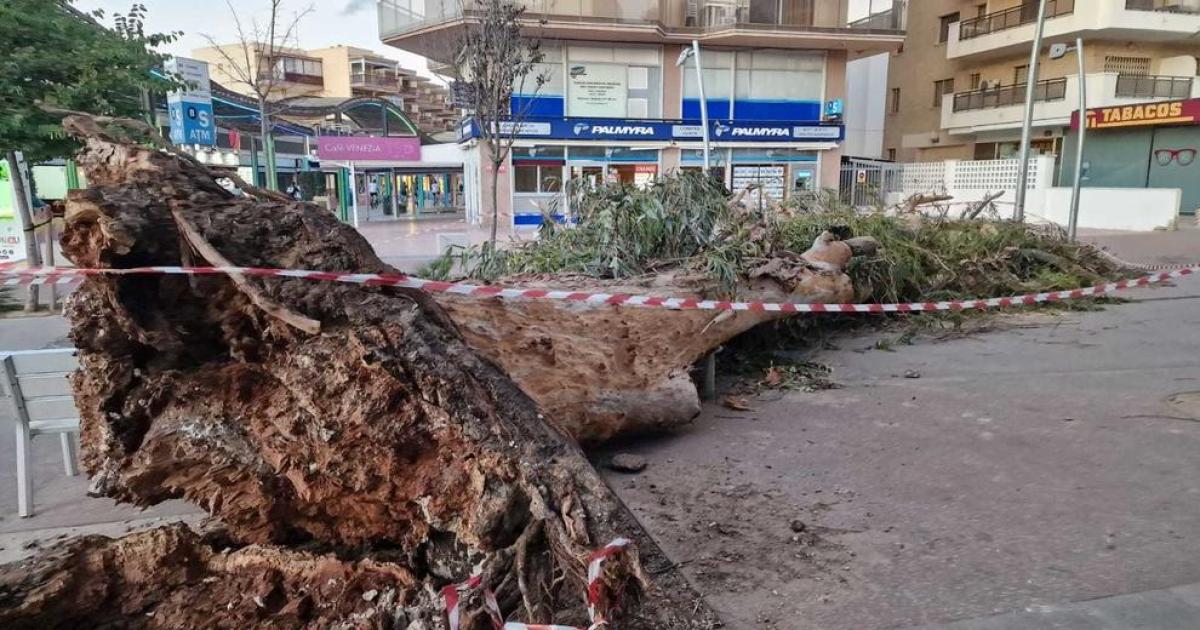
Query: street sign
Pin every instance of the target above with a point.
(191, 109)
(462, 94)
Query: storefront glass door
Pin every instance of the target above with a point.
(1175, 163)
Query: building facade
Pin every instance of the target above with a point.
(337, 72)
(618, 107)
(956, 90)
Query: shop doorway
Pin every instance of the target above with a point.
(1175, 163)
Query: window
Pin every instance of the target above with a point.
(941, 89)
(975, 80)
(537, 169)
(944, 23)
(777, 76)
(525, 178)
(891, 153)
(717, 77)
(1020, 74)
(643, 75)
(1127, 65)
(537, 178)
(895, 100)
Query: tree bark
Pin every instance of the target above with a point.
(271, 179)
(495, 201)
(25, 213)
(383, 436)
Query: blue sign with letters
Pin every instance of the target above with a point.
(725, 131)
(192, 123)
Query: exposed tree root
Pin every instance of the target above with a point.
(383, 435)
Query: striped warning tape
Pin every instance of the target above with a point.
(68, 275)
(452, 596)
(1142, 266)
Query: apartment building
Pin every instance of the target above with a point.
(343, 72)
(617, 106)
(956, 90)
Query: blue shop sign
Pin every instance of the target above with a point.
(192, 122)
(726, 131)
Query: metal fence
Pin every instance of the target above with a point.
(1011, 18)
(1007, 95)
(1149, 86)
(876, 184)
(866, 183)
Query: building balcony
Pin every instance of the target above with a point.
(1011, 31)
(1002, 108)
(419, 25)
(386, 81)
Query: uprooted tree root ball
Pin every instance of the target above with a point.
(320, 417)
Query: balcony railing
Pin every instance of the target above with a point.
(1007, 95)
(891, 19)
(1026, 13)
(387, 80)
(400, 16)
(1149, 86)
(1166, 6)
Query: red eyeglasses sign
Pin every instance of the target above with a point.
(1184, 157)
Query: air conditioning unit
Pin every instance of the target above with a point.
(989, 85)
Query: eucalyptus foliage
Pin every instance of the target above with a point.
(686, 221)
(54, 54)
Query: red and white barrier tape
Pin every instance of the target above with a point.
(452, 596)
(67, 275)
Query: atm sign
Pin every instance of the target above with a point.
(1166, 113)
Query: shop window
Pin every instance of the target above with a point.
(525, 178)
(537, 178)
(718, 76)
(550, 178)
(638, 68)
(779, 76)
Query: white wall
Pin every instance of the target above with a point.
(866, 106)
(1135, 209)
(444, 154)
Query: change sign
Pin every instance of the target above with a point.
(191, 109)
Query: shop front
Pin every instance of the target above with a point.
(378, 178)
(1150, 145)
(553, 159)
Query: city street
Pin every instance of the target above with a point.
(1029, 467)
(1040, 464)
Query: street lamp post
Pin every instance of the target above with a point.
(1058, 51)
(694, 51)
(1027, 126)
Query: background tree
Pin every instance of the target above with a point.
(495, 61)
(59, 56)
(254, 62)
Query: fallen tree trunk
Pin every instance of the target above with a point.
(382, 431)
(600, 371)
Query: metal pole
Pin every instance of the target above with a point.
(703, 106)
(1080, 139)
(353, 197)
(1027, 128)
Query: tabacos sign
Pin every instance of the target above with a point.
(1140, 115)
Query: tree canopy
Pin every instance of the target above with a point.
(53, 53)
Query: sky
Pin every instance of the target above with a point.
(332, 22)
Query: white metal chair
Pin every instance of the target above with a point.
(36, 384)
